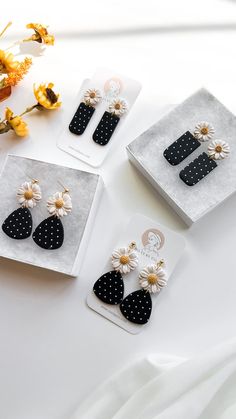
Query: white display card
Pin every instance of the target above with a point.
(154, 242)
(111, 85)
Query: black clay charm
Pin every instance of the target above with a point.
(49, 234)
(204, 163)
(18, 225)
(188, 143)
(84, 112)
(109, 122)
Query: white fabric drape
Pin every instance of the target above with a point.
(165, 387)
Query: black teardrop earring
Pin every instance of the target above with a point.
(109, 121)
(109, 288)
(137, 306)
(50, 232)
(18, 225)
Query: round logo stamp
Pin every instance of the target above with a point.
(113, 87)
(153, 240)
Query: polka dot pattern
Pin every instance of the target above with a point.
(105, 128)
(197, 169)
(137, 307)
(49, 234)
(109, 288)
(18, 225)
(81, 119)
(181, 148)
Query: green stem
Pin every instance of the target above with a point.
(31, 108)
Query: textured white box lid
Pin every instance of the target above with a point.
(146, 152)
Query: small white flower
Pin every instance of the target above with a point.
(218, 149)
(118, 107)
(92, 97)
(204, 131)
(59, 204)
(152, 278)
(124, 259)
(29, 194)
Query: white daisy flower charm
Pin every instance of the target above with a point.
(204, 131)
(153, 278)
(125, 259)
(118, 107)
(92, 97)
(29, 194)
(218, 149)
(59, 204)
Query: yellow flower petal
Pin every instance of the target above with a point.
(46, 96)
(17, 124)
(41, 34)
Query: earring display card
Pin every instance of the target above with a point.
(146, 153)
(86, 147)
(85, 191)
(154, 242)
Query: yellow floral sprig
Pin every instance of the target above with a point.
(40, 35)
(46, 99)
(13, 70)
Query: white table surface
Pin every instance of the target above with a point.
(54, 350)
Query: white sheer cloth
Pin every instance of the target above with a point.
(165, 387)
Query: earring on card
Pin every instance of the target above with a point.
(204, 163)
(109, 121)
(188, 143)
(137, 306)
(109, 288)
(85, 111)
(50, 232)
(18, 225)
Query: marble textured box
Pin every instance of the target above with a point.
(85, 190)
(146, 153)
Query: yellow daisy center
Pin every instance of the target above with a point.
(28, 194)
(218, 149)
(117, 106)
(124, 259)
(92, 95)
(204, 131)
(152, 279)
(59, 203)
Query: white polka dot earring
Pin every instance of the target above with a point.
(109, 121)
(187, 143)
(50, 232)
(204, 163)
(85, 111)
(18, 225)
(109, 288)
(137, 306)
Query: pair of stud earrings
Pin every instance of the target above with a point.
(205, 162)
(109, 288)
(108, 122)
(50, 232)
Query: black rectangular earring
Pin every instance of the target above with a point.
(109, 121)
(188, 142)
(84, 112)
(204, 163)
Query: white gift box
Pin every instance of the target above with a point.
(85, 191)
(146, 153)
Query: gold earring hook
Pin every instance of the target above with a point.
(33, 180)
(160, 263)
(66, 190)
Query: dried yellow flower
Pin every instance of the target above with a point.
(16, 123)
(46, 97)
(7, 63)
(40, 35)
